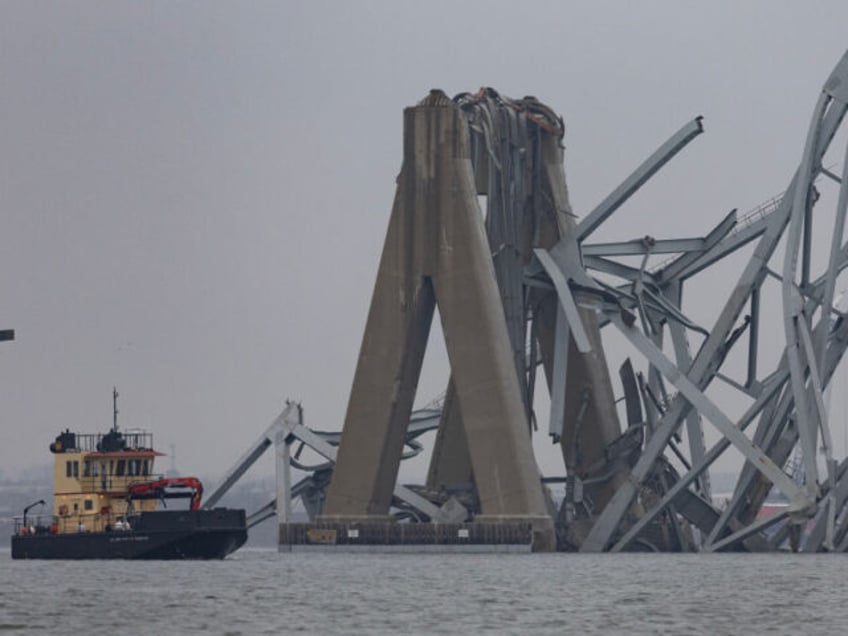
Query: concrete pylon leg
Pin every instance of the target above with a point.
(436, 234)
(480, 353)
(381, 399)
(450, 464)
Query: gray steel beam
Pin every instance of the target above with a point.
(320, 446)
(282, 459)
(798, 499)
(265, 512)
(792, 301)
(284, 431)
(249, 457)
(700, 467)
(837, 493)
(832, 176)
(821, 418)
(836, 254)
(695, 263)
(747, 531)
(566, 301)
(673, 270)
(659, 304)
(705, 364)
(776, 436)
(643, 246)
(694, 430)
(608, 266)
(562, 336)
(753, 338)
(638, 178)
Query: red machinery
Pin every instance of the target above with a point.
(160, 489)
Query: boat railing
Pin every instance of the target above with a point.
(95, 522)
(132, 439)
(36, 524)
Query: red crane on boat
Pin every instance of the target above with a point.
(158, 489)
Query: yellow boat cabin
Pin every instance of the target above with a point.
(93, 475)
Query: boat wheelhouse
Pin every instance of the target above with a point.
(93, 475)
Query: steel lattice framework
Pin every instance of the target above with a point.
(522, 287)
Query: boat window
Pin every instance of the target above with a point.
(86, 468)
(145, 467)
(95, 469)
(68, 469)
(111, 466)
(131, 467)
(88, 504)
(76, 469)
(120, 470)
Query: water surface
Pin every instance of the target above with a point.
(262, 592)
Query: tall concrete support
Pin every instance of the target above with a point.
(504, 151)
(518, 163)
(436, 252)
(450, 463)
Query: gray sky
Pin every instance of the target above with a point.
(194, 195)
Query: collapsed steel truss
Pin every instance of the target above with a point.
(635, 488)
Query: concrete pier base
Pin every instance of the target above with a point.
(499, 535)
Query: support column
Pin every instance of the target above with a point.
(436, 251)
(450, 464)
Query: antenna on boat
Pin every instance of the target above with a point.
(115, 409)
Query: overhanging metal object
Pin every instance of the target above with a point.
(701, 466)
(288, 430)
(647, 245)
(566, 301)
(558, 381)
(706, 407)
(636, 180)
(712, 352)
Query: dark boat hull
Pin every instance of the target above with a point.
(177, 534)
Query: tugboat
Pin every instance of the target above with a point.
(106, 505)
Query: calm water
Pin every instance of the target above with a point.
(262, 592)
